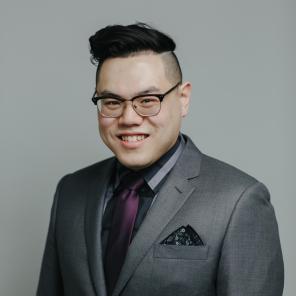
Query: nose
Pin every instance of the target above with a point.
(129, 116)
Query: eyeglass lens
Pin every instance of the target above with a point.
(144, 106)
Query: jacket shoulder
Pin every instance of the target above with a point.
(218, 167)
(93, 169)
(211, 168)
(87, 174)
(227, 177)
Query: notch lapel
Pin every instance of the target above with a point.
(170, 199)
(93, 224)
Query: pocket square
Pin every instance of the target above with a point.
(183, 236)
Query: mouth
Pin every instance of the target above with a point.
(133, 138)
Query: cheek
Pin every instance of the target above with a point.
(105, 124)
(167, 119)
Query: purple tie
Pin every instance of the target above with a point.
(124, 216)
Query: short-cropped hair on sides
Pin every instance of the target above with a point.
(122, 41)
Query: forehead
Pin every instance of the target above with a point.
(133, 72)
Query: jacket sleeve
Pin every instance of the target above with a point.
(50, 280)
(251, 262)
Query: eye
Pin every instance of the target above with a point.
(110, 103)
(148, 101)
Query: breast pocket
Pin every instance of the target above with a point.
(181, 252)
(180, 270)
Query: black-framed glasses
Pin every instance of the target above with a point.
(144, 105)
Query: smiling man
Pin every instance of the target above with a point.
(160, 217)
(136, 139)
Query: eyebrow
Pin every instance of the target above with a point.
(150, 90)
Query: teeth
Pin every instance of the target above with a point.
(133, 138)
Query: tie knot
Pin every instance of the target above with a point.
(132, 181)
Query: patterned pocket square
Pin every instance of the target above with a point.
(183, 236)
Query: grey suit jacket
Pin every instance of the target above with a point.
(229, 209)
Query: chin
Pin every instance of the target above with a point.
(135, 164)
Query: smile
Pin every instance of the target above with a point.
(133, 138)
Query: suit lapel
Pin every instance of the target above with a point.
(170, 199)
(93, 223)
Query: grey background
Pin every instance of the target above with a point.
(239, 56)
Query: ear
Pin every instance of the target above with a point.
(185, 92)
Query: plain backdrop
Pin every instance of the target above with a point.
(239, 56)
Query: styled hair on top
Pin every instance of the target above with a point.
(123, 41)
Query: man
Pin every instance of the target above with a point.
(161, 217)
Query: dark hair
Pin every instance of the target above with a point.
(122, 41)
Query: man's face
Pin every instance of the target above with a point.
(138, 141)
